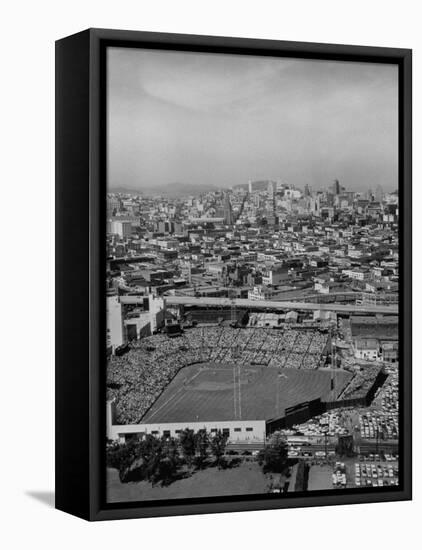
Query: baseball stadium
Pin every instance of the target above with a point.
(245, 381)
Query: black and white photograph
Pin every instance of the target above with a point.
(252, 274)
(210, 239)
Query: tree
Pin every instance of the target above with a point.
(344, 445)
(122, 457)
(148, 447)
(302, 476)
(201, 447)
(218, 446)
(165, 471)
(187, 443)
(277, 440)
(159, 459)
(149, 455)
(168, 462)
(274, 456)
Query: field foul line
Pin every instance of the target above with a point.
(175, 394)
(175, 402)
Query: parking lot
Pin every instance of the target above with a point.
(376, 471)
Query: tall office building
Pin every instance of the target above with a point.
(228, 212)
(271, 190)
(336, 187)
(315, 205)
(379, 193)
(115, 331)
(123, 228)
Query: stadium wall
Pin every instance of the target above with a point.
(238, 431)
(305, 411)
(298, 414)
(345, 403)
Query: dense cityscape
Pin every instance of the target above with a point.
(252, 338)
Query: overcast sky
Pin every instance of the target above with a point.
(225, 119)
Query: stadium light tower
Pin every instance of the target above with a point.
(237, 392)
(240, 390)
(233, 310)
(325, 431)
(333, 365)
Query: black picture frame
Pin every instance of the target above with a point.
(80, 273)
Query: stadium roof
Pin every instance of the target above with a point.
(380, 328)
(363, 320)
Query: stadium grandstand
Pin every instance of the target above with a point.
(225, 377)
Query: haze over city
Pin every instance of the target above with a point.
(220, 120)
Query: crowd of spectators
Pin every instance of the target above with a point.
(361, 383)
(290, 348)
(300, 349)
(136, 379)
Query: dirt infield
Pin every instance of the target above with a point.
(210, 392)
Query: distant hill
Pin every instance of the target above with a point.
(176, 189)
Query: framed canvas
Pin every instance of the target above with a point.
(233, 276)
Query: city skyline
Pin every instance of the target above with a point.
(196, 191)
(240, 118)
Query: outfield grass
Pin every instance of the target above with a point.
(206, 392)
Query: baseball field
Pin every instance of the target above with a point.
(217, 392)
